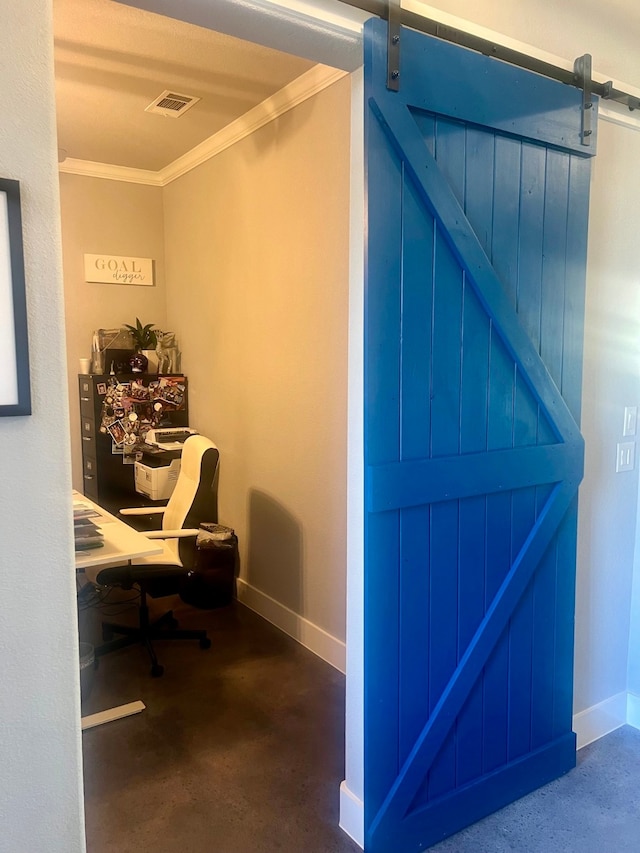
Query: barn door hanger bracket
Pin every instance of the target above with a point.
(582, 72)
(609, 93)
(393, 44)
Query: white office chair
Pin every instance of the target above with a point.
(194, 500)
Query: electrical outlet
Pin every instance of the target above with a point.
(630, 420)
(625, 456)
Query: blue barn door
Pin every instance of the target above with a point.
(477, 198)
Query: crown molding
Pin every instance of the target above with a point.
(91, 169)
(301, 89)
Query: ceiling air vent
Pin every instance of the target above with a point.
(171, 104)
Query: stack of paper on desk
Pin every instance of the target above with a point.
(85, 531)
(81, 511)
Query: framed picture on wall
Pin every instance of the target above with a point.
(15, 393)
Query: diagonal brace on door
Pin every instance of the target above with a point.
(398, 802)
(397, 121)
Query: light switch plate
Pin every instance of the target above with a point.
(630, 420)
(625, 456)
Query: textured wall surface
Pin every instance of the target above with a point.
(607, 530)
(40, 774)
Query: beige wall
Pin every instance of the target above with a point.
(40, 772)
(111, 218)
(257, 289)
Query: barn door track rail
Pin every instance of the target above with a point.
(391, 11)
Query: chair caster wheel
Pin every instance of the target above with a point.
(205, 643)
(157, 670)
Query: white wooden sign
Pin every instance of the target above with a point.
(113, 269)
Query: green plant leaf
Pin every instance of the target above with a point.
(144, 337)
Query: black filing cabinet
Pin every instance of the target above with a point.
(106, 479)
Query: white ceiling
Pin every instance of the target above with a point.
(112, 60)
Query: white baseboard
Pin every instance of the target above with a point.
(315, 639)
(633, 710)
(600, 719)
(351, 815)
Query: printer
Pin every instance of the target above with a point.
(156, 472)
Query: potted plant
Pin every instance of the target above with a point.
(145, 341)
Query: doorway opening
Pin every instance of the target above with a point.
(251, 247)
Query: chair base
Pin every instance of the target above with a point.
(164, 628)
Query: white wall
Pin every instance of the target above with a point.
(40, 772)
(633, 664)
(567, 29)
(352, 789)
(607, 520)
(324, 31)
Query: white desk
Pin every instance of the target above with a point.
(121, 544)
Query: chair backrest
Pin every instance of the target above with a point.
(195, 497)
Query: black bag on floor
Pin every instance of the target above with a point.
(211, 583)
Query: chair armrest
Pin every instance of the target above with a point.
(142, 510)
(180, 533)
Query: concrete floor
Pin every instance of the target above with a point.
(593, 809)
(241, 747)
(240, 750)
